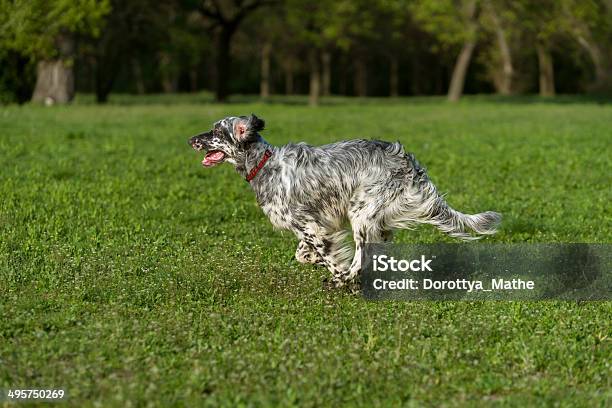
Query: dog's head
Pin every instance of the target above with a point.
(228, 140)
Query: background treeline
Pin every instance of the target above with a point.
(49, 49)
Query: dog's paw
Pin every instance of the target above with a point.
(327, 284)
(354, 288)
(337, 283)
(350, 286)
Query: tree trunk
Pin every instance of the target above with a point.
(55, 78)
(193, 79)
(457, 84)
(107, 70)
(441, 82)
(138, 77)
(223, 63)
(168, 85)
(595, 54)
(102, 90)
(394, 77)
(343, 85)
(54, 82)
(344, 75)
(459, 72)
(547, 75)
(361, 78)
(504, 83)
(326, 59)
(315, 78)
(288, 66)
(103, 84)
(169, 80)
(600, 58)
(264, 80)
(415, 75)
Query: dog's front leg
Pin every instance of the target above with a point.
(305, 253)
(330, 247)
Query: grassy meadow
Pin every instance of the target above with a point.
(132, 276)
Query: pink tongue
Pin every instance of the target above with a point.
(212, 158)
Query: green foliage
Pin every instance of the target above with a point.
(130, 275)
(591, 14)
(540, 20)
(32, 26)
(172, 41)
(351, 22)
(332, 23)
(308, 19)
(447, 20)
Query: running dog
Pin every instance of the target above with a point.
(313, 191)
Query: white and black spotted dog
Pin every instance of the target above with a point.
(313, 191)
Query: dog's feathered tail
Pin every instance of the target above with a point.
(458, 225)
(428, 206)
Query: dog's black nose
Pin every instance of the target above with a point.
(195, 142)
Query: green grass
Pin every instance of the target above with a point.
(130, 275)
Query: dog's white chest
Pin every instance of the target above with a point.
(278, 214)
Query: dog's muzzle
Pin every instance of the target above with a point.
(212, 157)
(196, 143)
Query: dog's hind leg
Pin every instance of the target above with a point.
(368, 227)
(362, 234)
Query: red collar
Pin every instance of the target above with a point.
(267, 154)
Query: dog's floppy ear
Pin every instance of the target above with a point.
(256, 124)
(246, 128)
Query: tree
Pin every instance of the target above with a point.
(453, 23)
(589, 22)
(354, 27)
(264, 83)
(358, 35)
(540, 23)
(183, 47)
(551, 24)
(266, 30)
(399, 38)
(499, 18)
(279, 40)
(46, 31)
(133, 28)
(307, 20)
(225, 17)
(322, 26)
(393, 43)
